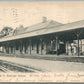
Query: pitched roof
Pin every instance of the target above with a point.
(43, 25)
(41, 30)
(70, 26)
(21, 30)
(38, 26)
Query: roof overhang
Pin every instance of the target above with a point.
(37, 33)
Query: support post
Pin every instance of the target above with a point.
(25, 50)
(41, 45)
(67, 47)
(27, 45)
(20, 47)
(57, 45)
(3, 48)
(78, 43)
(8, 49)
(14, 48)
(81, 46)
(30, 46)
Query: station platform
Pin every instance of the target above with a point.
(48, 63)
(68, 58)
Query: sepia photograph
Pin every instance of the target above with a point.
(42, 37)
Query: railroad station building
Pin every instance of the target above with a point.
(47, 37)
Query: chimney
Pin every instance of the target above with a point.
(44, 19)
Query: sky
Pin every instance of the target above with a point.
(14, 14)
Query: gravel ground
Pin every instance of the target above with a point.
(47, 65)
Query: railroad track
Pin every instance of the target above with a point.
(6, 66)
(3, 69)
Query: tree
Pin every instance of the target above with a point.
(6, 30)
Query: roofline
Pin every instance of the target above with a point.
(26, 35)
(36, 33)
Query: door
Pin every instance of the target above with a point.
(62, 49)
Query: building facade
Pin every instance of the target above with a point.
(47, 37)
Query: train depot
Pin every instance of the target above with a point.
(47, 37)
